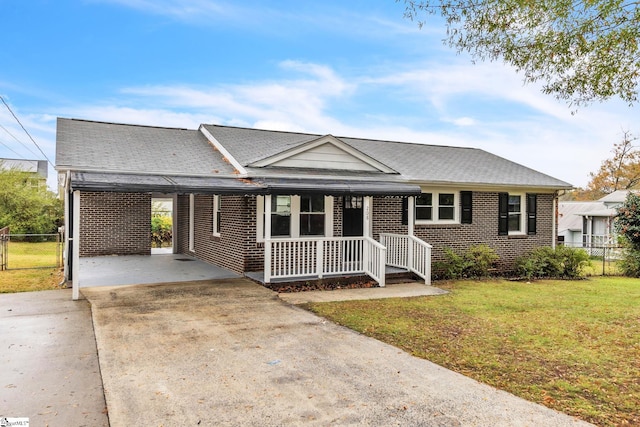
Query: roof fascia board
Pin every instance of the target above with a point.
(490, 187)
(225, 153)
(62, 169)
(320, 141)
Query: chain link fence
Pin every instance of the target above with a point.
(604, 257)
(25, 251)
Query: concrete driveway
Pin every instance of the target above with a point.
(49, 368)
(232, 353)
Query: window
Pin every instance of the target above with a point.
(424, 207)
(296, 216)
(436, 207)
(446, 203)
(280, 216)
(517, 213)
(312, 215)
(216, 215)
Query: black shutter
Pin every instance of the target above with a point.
(405, 211)
(503, 214)
(466, 207)
(532, 200)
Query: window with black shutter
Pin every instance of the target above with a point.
(532, 201)
(466, 207)
(503, 214)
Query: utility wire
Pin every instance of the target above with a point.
(20, 142)
(25, 131)
(11, 149)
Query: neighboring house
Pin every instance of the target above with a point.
(589, 225)
(35, 170)
(293, 205)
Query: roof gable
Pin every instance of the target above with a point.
(326, 152)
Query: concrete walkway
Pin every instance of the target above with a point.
(49, 365)
(396, 290)
(230, 352)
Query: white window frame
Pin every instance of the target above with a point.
(216, 214)
(295, 219)
(435, 207)
(523, 215)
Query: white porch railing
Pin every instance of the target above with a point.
(299, 258)
(408, 252)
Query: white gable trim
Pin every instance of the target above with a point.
(225, 154)
(327, 139)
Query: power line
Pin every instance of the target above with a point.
(25, 131)
(10, 149)
(20, 142)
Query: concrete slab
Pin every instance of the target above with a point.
(50, 372)
(230, 352)
(140, 269)
(396, 290)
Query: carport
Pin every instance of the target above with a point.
(142, 269)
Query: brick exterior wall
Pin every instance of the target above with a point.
(115, 224)
(387, 218)
(237, 249)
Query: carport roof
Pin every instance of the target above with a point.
(96, 181)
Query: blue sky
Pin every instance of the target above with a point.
(355, 68)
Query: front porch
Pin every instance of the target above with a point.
(297, 260)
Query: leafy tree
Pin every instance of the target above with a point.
(27, 208)
(620, 172)
(582, 51)
(627, 224)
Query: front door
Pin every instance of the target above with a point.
(352, 216)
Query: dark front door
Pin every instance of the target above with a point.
(352, 216)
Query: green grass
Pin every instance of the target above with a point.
(596, 268)
(573, 346)
(32, 255)
(41, 279)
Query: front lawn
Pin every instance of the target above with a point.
(573, 346)
(40, 279)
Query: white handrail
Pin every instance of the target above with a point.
(317, 257)
(408, 252)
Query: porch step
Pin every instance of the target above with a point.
(401, 277)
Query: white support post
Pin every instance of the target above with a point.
(367, 218)
(410, 223)
(75, 291)
(319, 258)
(267, 238)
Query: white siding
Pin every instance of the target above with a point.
(325, 156)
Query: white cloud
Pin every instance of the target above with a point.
(544, 136)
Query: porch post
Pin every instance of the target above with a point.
(75, 272)
(411, 214)
(267, 238)
(410, 224)
(367, 218)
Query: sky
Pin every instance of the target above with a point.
(353, 68)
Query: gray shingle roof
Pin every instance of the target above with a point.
(109, 147)
(87, 145)
(415, 162)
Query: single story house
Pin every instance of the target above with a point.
(35, 171)
(589, 224)
(295, 205)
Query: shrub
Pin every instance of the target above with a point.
(630, 263)
(476, 262)
(546, 262)
(161, 227)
